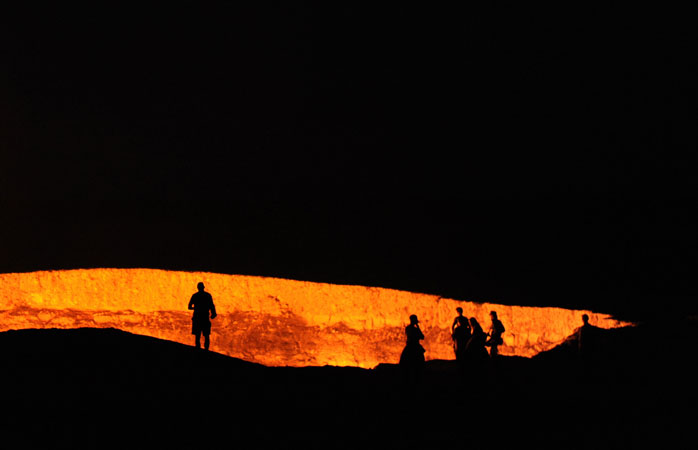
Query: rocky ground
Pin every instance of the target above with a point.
(102, 388)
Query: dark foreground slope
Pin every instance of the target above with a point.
(107, 388)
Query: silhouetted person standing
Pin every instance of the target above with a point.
(460, 333)
(475, 348)
(495, 334)
(412, 357)
(202, 303)
(587, 339)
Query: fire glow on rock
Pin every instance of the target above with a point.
(272, 321)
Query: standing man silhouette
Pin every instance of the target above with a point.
(495, 334)
(587, 339)
(202, 302)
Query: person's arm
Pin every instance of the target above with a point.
(213, 309)
(191, 303)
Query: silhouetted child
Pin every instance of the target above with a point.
(460, 333)
(495, 334)
(412, 357)
(202, 302)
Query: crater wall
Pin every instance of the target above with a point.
(271, 321)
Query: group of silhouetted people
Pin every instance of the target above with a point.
(470, 343)
(469, 340)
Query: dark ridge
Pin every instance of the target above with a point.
(93, 355)
(86, 387)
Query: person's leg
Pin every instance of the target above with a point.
(197, 340)
(206, 331)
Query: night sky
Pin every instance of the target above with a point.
(514, 155)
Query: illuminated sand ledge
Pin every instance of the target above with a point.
(269, 320)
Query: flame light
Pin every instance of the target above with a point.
(271, 321)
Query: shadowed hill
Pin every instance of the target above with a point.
(109, 355)
(108, 388)
(654, 352)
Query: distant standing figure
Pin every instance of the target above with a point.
(495, 334)
(412, 357)
(587, 337)
(202, 302)
(460, 333)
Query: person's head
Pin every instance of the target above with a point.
(493, 315)
(585, 319)
(413, 319)
(200, 286)
(473, 322)
(459, 310)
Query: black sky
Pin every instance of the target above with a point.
(519, 155)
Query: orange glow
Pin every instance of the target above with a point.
(271, 321)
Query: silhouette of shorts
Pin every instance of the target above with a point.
(199, 326)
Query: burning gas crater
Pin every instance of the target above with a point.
(271, 321)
